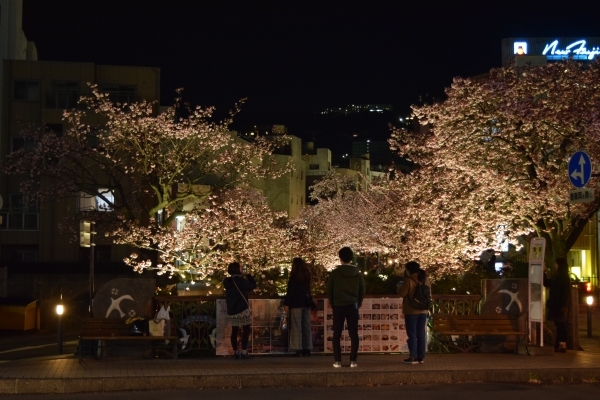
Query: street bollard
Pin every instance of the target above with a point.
(59, 342)
(589, 300)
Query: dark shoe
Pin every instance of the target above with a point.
(236, 355)
(306, 353)
(560, 349)
(298, 353)
(411, 361)
(245, 356)
(420, 361)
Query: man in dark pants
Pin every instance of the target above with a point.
(346, 291)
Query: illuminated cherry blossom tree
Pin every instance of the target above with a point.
(154, 170)
(493, 164)
(490, 168)
(236, 225)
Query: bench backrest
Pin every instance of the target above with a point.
(112, 327)
(466, 323)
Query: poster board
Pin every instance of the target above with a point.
(381, 327)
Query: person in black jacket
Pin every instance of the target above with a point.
(299, 301)
(237, 287)
(558, 301)
(346, 291)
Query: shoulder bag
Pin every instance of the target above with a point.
(244, 317)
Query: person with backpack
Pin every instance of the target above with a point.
(416, 300)
(346, 291)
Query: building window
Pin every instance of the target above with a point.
(19, 142)
(103, 201)
(19, 215)
(180, 221)
(121, 93)
(313, 166)
(64, 94)
(19, 253)
(27, 90)
(56, 128)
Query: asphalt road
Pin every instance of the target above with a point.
(467, 391)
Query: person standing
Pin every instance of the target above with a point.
(558, 301)
(299, 301)
(346, 291)
(237, 287)
(415, 320)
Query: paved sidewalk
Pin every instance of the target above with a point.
(67, 375)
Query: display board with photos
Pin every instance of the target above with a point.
(381, 327)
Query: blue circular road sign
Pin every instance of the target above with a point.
(580, 169)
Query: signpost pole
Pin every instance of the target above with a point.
(537, 250)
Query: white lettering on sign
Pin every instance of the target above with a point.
(577, 48)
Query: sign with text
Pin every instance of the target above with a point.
(582, 195)
(537, 249)
(583, 49)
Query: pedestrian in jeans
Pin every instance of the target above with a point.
(414, 320)
(346, 291)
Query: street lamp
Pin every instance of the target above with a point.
(589, 300)
(60, 309)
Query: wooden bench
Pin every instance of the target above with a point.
(477, 327)
(102, 330)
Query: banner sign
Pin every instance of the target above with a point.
(380, 327)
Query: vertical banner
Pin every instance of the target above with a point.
(537, 249)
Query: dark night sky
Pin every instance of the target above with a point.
(291, 58)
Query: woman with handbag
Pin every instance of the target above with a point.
(299, 301)
(237, 287)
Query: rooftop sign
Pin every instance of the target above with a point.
(554, 49)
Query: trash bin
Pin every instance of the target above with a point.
(18, 314)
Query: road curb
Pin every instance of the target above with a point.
(330, 379)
